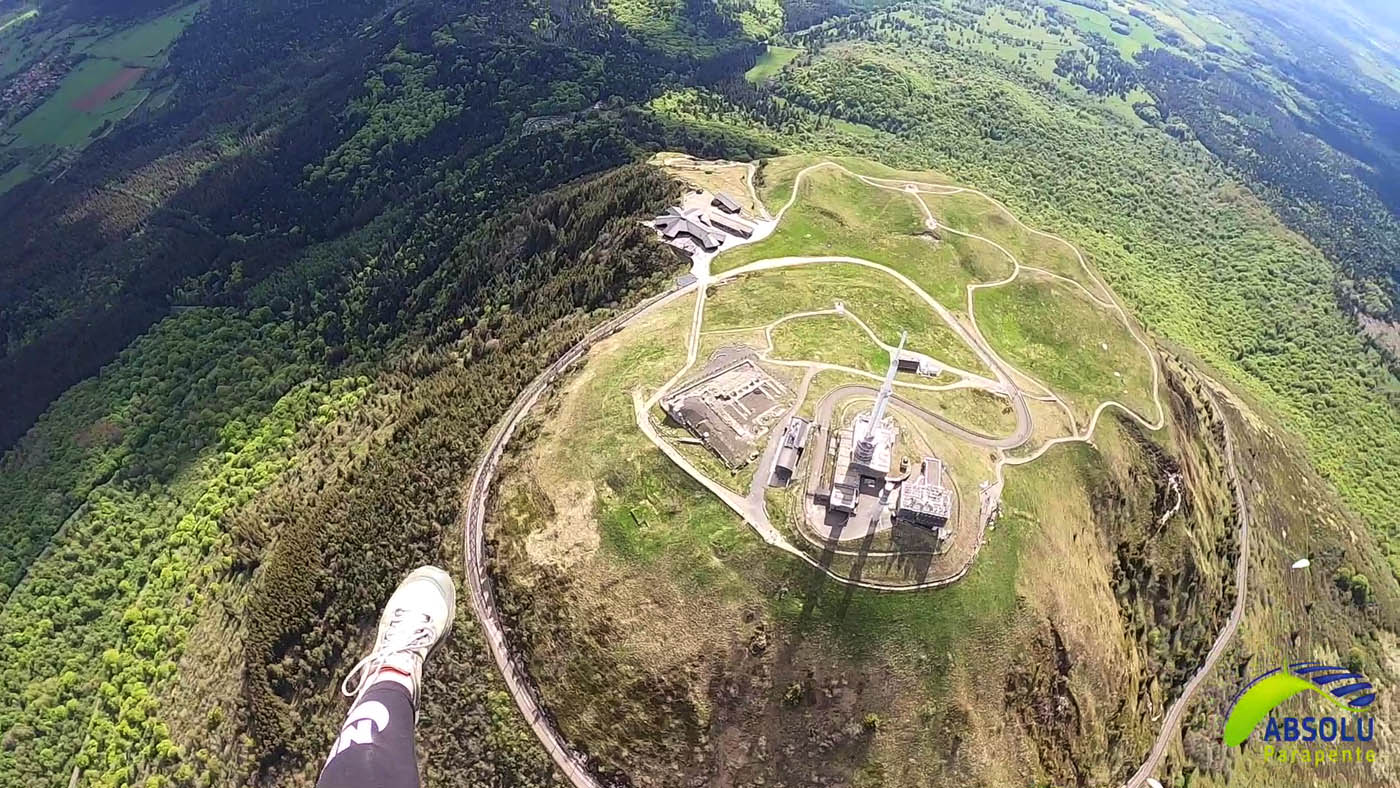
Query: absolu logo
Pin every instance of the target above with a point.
(1331, 739)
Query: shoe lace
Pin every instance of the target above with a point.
(406, 633)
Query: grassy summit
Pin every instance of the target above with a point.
(668, 638)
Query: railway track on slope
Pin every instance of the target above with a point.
(481, 590)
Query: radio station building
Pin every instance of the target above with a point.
(923, 500)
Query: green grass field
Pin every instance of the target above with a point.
(145, 44)
(771, 62)
(836, 214)
(1051, 330)
(972, 408)
(878, 300)
(57, 122)
(1139, 37)
(972, 213)
(875, 169)
(830, 339)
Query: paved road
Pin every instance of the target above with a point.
(1020, 436)
(1171, 724)
(473, 549)
(751, 509)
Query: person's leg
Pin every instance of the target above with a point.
(375, 746)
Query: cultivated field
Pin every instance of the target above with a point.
(102, 89)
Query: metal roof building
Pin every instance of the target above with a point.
(731, 225)
(725, 203)
(919, 363)
(677, 222)
(794, 442)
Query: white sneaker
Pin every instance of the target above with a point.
(416, 619)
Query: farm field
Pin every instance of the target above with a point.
(84, 102)
(99, 91)
(145, 44)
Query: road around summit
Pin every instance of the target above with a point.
(1171, 723)
(752, 509)
(483, 601)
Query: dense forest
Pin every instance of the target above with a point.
(252, 341)
(1160, 215)
(266, 176)
(340, 312)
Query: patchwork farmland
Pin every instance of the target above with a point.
(107, 73)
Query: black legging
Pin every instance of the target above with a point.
(375, 746)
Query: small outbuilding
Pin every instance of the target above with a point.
(731, 225)
(794, 442)
(725, 203)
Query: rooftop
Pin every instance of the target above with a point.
(725, 203)
(677, 222)
(923, 500)
(795, 435)
(699, 416)
(731, 225)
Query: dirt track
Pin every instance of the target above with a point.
(569, 762)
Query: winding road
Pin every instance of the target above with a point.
(752, 508)
(481, 592)
(1016, 438)
(1171, 723)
